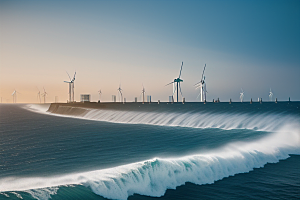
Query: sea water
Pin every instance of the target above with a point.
(170, 151)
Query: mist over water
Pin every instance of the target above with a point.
(131, 156)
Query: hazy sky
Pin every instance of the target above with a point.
(252, 45)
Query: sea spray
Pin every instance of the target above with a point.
(153, 177)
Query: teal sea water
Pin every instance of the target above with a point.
(166, 151)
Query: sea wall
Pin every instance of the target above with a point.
(67, 110)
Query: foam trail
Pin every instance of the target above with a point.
(153, 177)
(40, 108)
(262, 122)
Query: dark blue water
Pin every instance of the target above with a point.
(207, 153)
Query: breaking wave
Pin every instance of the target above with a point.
(153, 177)
(261, 122)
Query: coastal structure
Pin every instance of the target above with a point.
(149, 98)
(114, 98)
(85, 98)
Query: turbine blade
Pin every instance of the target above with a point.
(74, 76)
(169, 83)
(69, 76)
(203, 72)
(180, 70)
(197, 83)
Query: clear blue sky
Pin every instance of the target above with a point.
(252, 45)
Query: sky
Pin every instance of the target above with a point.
(253, 45)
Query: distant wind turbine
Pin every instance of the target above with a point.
(242, 95)
(39, 95)
(14, 94)
(176, 84)
(99, 95)
(271, 95)
(143, 92)
(44, 95)
(120, 93)
(202, 85)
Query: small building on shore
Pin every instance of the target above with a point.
(85, 98)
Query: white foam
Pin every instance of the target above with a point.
(263, 122)
(39, 108)
(153, 177)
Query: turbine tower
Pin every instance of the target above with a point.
(39, 96)
(71, 87)
(271, 95)
(202, 85)
(44, 95)
(143, 92)
(176, 84)
(242, 95)
(99, 94)
(14, 94)
(120, 93)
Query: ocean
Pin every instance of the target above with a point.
(151, 151)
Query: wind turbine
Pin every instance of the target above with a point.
(39, 96)
(271, 95)
(120, 93)
(44, 95)
(71, 87)
(143, 92)
(242, 95)
(99, 94)
(202, 85)
(14, 94)
(73, 99)
(176, 84)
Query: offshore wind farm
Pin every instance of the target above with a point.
(136, 100)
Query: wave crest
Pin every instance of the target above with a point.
(153, 177)
(262, 122)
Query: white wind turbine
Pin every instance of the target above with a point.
(44, 95)
(202, 85)
(242, 95)
(120, 93)
(271, 95)
(176, 84)
(143, 92)
(71, 87)
(99, 95)
(39, 95)
(14, 94)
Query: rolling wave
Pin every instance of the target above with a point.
(262, 122)
(153, 177)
